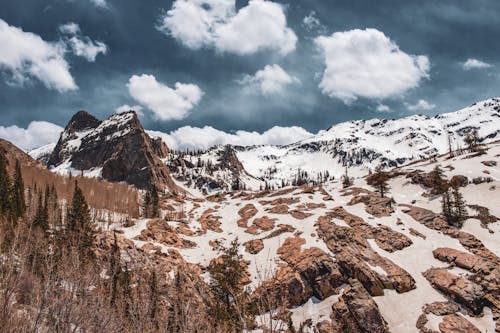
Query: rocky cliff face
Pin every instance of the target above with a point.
(117, 149)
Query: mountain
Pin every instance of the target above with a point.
(310, 258)
(215, 169)
(108, 149)
(362, 145)
(116, 149)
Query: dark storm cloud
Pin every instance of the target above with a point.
(449, 32)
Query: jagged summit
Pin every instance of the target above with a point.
(80, 121)
(116, 149)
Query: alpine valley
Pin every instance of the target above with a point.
(369, 226)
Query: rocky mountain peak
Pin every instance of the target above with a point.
(116, 149)
(80, 121)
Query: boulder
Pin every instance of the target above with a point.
(458, 288)
(357, 312)
(457, 324)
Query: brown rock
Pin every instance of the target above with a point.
(254, 246)
(299, 215)
(441, 308)
(357, 312)
(460, 289)
(280, 209)
(374, 204)
(160, 231)
(247, 212)
(459, 181)
(489, 163)
(426, 217)
(391, 240)
(417, 233)
(461, 259)
(264, 223)
(457, 324)
(210, 221)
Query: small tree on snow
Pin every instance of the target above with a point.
(379, 180)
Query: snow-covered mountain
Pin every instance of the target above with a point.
(359, 145)
(364, 144)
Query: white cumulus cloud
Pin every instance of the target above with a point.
(27, 56)
(126, 107)
(193, 138)
(475, 64)
(383, 108)
(312, 23)
(272, 79)
(79, 44)
(260, 25)
(421, 105)
(366, 63)
(37, 134)
(166, 103)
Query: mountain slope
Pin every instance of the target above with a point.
(364, 144)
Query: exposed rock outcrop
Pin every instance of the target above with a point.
(357, 312)
(459, 288)
(118, 146)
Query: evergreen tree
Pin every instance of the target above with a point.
(447, 206)
(153, 299)
(460, 211)
(439, 184)
(227, 273)
(79, 225)
(114, 269)
(346, 180)
(146, 203)
(379, 180)
(472, 140)
(41, 220)
(18, 202)
(155, 201)
(5, 187)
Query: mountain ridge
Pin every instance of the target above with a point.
(360, 145)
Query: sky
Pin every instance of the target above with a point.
(250, 72)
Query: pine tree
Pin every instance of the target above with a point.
(346, 180)
(439, 184)
(447, 204)
(41, 220)
(146, 204)
(150, 203)
(155, 200)
(114, 269)
(379, 180)
(472, 140)
(18, 202)
(460, 211)
(227, 273)
(153, 299)
(79, 225)
(5, 187)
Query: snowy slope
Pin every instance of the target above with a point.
(364, 144)
(415, 258)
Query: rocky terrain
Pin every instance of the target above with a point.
(349, 260)
(329, 257)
